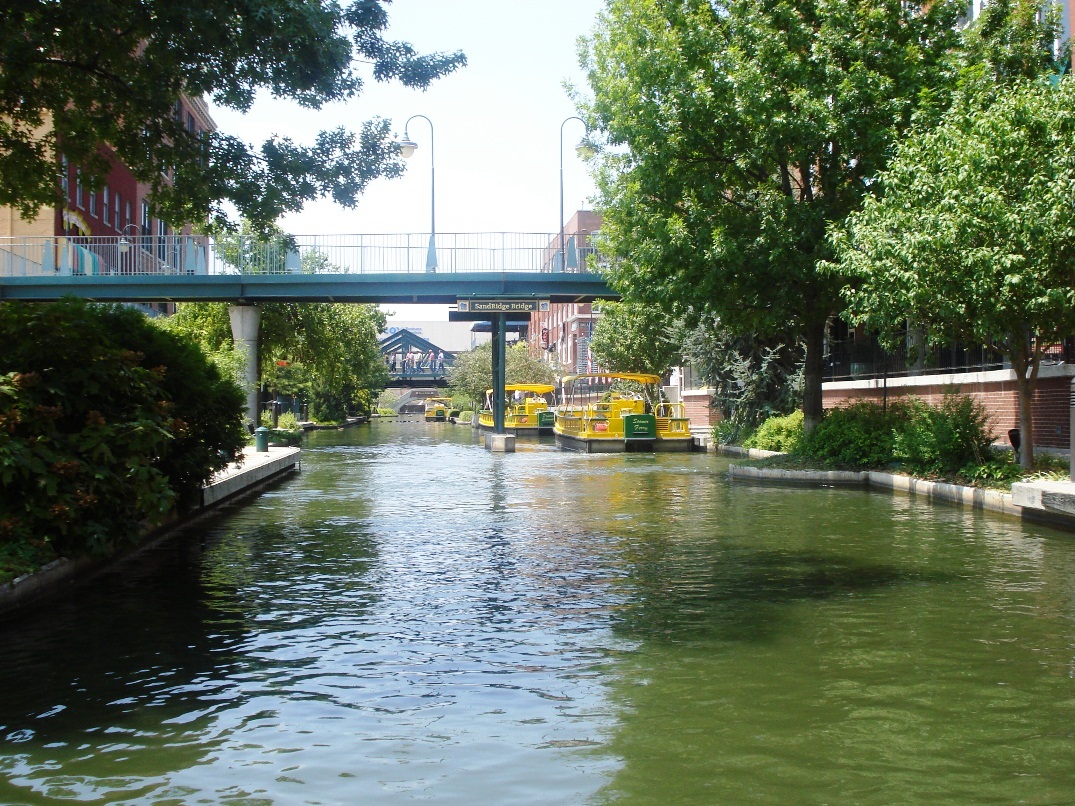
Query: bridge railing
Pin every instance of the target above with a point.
(319, 254)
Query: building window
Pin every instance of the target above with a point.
(78, 189)
(145, 218)
(65, 180)
(126, 214)
(93, 204)
(106, 209)
(192, 127)
(116, 207)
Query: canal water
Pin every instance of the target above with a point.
(412, 618)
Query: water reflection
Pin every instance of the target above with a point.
(416, 618)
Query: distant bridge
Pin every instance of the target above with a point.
(351, 268)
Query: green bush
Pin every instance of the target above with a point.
(105, 421)
(287, 422)
(857, 436)
(782, 434)
(947, 438)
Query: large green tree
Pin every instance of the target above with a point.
(738, 132)
(975, 235)
(75, 74)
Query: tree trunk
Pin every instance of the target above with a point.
(814, 336)
(1026, 376)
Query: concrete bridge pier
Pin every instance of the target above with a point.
(245, 321)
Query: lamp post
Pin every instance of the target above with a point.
(407, 146)
(584, 150)
(124, 245)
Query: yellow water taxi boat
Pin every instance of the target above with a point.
(527, 410)
(437, 409)
(613, 412)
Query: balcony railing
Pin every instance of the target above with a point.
(861, 359)
(321, 254)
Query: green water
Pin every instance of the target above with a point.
(412, 618)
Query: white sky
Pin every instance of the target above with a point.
(496, 125)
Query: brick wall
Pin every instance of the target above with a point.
(696, 404)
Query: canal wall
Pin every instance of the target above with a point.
(252, 472)
(1049, 502)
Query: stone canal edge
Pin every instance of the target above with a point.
(1049, 502)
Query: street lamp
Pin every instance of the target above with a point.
(585, 150)
(124, 244)
(407, 146)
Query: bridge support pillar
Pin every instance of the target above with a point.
(499, 372)
(245, 321)
(500, 443)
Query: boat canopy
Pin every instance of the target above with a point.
(536, 388)
(637, 377)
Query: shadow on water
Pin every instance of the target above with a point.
(741, 595)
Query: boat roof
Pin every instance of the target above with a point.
(638, 377)
(538, 388)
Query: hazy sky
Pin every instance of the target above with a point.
(496, 122)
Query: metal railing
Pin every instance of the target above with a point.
(319, 254)
(861, 359)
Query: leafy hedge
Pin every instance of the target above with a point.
(783, 434)
(951, 439)
(107, 423)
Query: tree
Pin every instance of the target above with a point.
(631, 337)
(974, 237)
(75, 75)
(472, 372)
(738, 133)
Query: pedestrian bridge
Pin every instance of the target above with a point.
(395, 268)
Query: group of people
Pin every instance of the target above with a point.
(416, 363)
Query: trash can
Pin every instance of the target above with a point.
(261, 439)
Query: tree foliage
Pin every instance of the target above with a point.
(632, 337)
(472, 372)
(752, 379)
(105, 423)
(975, 235)
(82, 74)
(738, 132)
(329, 350)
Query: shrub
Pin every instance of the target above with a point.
(946, 438)
(105, 420)
(857, 436)
(778, 434)
(287, 422)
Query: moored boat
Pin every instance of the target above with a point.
(437, 409)
(613, 412)
(527, 410)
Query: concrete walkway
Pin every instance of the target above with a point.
(253, 469)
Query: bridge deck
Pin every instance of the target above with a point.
(358, 268)
(370, 288)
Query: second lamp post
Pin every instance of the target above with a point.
(585, 151)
